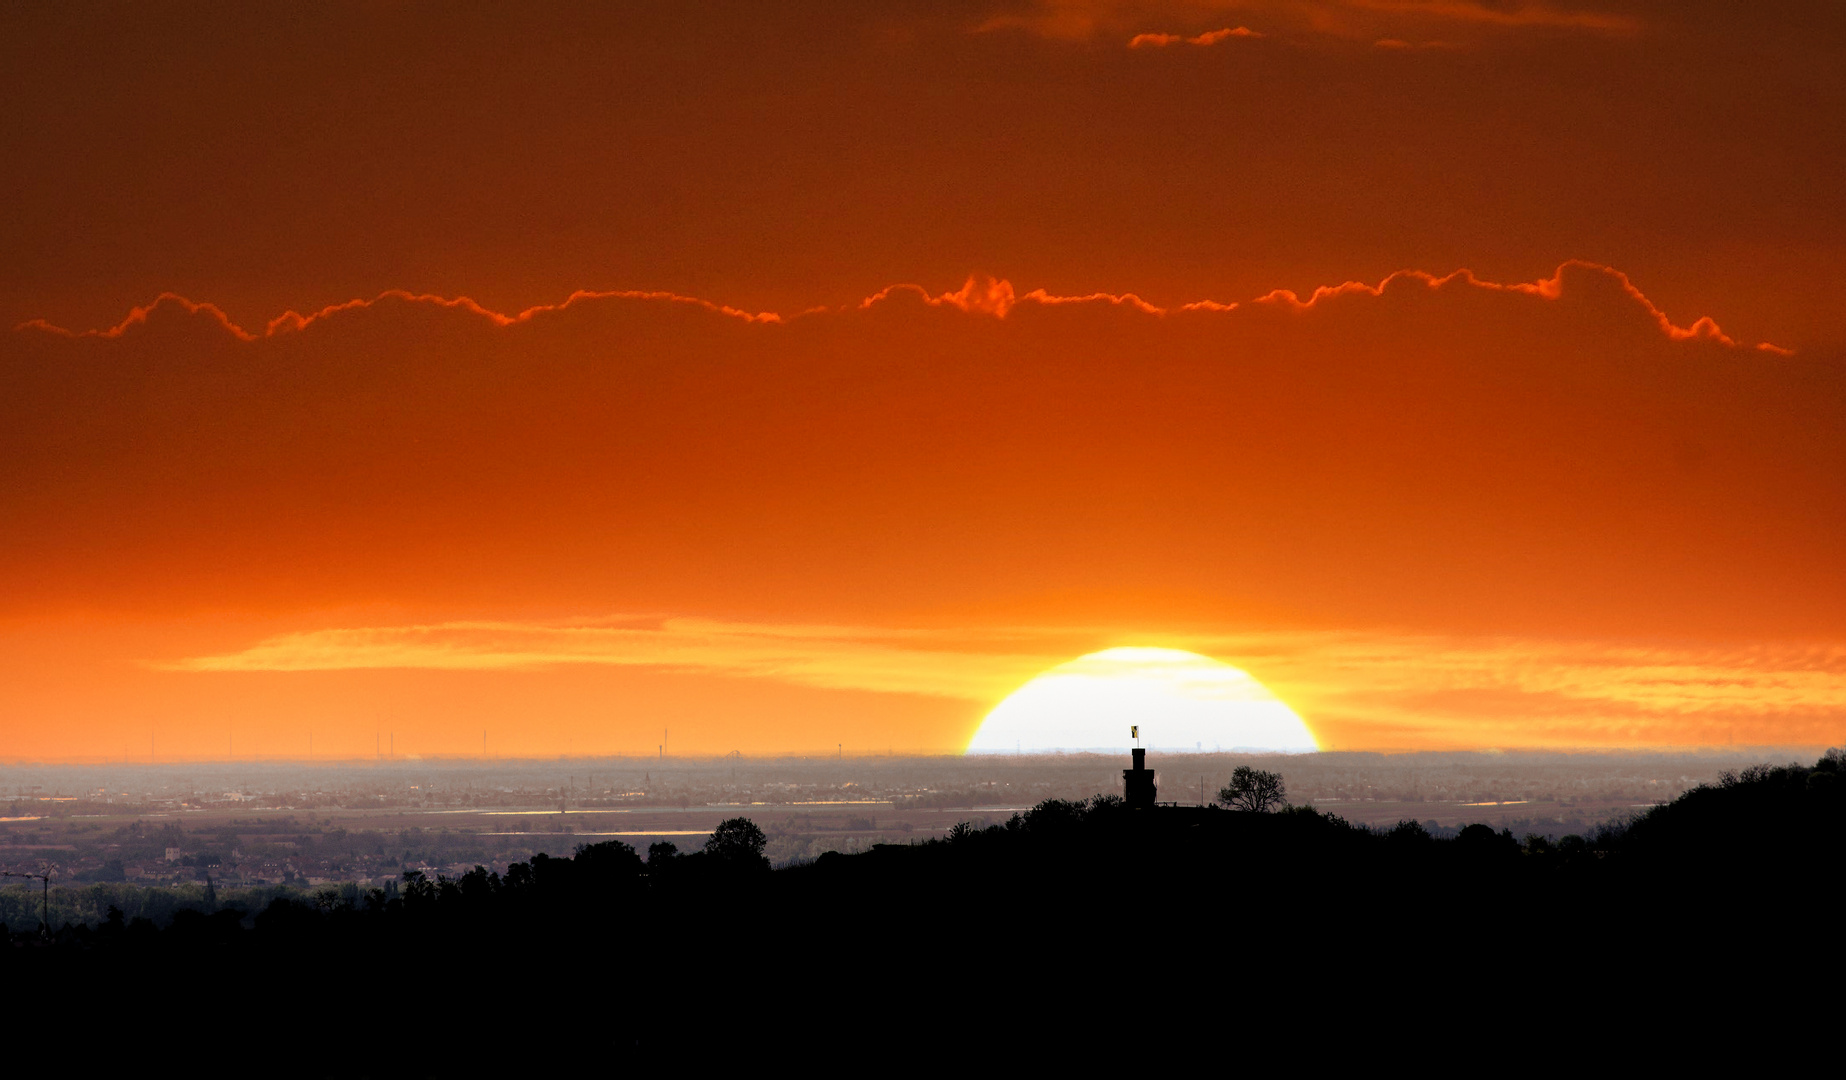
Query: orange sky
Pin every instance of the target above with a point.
(791, 378)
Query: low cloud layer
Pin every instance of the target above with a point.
(1360, 690)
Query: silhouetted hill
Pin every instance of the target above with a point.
(1067, 895)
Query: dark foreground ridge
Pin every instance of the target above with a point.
(1208, 901)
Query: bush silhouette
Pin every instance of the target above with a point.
(1254, 790)
(738, 844)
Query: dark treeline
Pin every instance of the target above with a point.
(1067, 894)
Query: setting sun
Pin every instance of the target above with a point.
(1179, 700)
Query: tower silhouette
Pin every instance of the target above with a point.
(1138, 783)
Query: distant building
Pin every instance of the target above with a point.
(1138, 787)
(174, 854)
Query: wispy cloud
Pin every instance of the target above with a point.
(1373, 688)
(1212, 37)
(997, 297)
(138, 316)
(1550, 288)
(1363, 20)
(1544, 691)
(974, 666)
(1507, 15)
(1209, 37)
(294, 321)
(978, 295)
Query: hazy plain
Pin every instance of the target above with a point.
(313, 823)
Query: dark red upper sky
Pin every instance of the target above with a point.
(777, 157)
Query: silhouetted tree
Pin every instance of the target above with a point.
(1064, 817)
(479, 884)
(738, 842)
(1481, 842)
(418, 888)
(608, 867)
(1254, 790)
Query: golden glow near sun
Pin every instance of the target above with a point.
(1180, 700)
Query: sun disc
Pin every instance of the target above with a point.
(1180, 701)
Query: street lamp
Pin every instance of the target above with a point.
(45, 918)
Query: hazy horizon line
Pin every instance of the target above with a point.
(990, 755)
